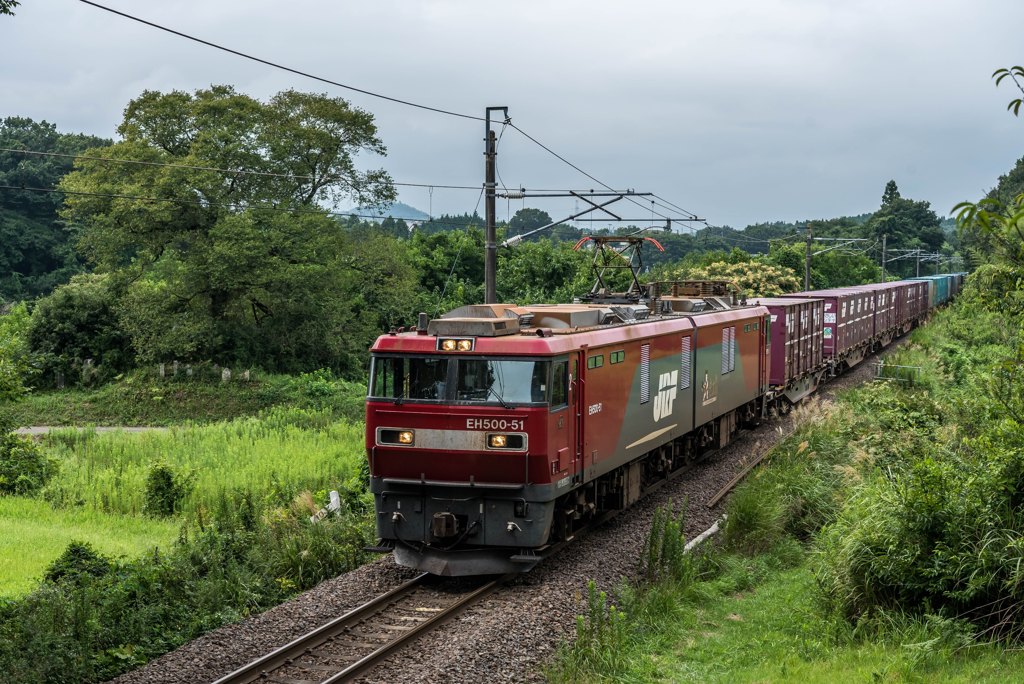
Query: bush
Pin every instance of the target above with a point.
(165, 491)
(664, 556)
(96, 618)
(24, 468)
(17, 364)
(78, 562)
(76, 323)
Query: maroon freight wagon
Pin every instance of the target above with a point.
(797, 355)
(848, 324)
(885, 311)
(911, 303)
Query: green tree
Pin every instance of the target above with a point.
(236, 267)
(909, 224)
(527, 219)
(451, 268)
(993, 229)
(752, 276)
(36, 253)
(17, 366)
(78, 321)
(542, 271)
(835, 268)
(7, 5)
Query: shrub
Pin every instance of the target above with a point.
(24, 468)
(97, 618)
(78, 322)
(78, 562)
(17, 364)
(664, 556)
(165, 491)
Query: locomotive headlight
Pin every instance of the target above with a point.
(396, 436)
(515, 441)
(450, 344)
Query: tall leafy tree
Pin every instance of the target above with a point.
(36, 253)
(993, 229)
(527, 219)
(909, 224)
(233, 258)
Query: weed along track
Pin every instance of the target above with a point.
(346, 647)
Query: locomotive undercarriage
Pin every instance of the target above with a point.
(622, 487)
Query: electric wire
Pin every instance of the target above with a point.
(191, 167)
(577, 168)
(455, 261)
(363, 91)
(275, 65)
(233, 205)
(271, 174)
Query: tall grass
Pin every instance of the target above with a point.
(275, 458)
(32, 534)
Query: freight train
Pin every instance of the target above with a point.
(496, 432)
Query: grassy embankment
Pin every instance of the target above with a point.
(184, 529)
(143, 398)
(99, 492)
(33, 534)
(880, 542)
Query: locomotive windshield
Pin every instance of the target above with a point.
(460, 380)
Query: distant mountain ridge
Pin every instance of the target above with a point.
(398, 210)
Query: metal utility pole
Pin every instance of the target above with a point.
(884, 237)
(490, 192)
(917, 272)
(807, 260)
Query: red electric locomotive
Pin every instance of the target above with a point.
(496, 431)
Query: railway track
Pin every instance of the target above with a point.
(348, 646)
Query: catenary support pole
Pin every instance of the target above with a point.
(884, 238)
(807, 260)
(490, 191)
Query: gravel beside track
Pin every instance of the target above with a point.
(511, 634)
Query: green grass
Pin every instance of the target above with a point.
(33, 534)
(274, 458)
(142, 398)
(760, 621)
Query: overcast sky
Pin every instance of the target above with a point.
(738, 111)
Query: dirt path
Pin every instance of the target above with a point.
(40, 430)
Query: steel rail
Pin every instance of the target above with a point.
(262, 669)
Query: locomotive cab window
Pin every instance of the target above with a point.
(449, 379)
(560, 384)
(505, 381)
(408, 377)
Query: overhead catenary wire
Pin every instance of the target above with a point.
(271, 174)
(577, 168)
(193, 167)
(231, 205)
(363, 91)
(455, 261)
(275, 65)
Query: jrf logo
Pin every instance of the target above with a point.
(668, 385)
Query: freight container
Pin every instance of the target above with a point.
(796, 342)
(847, 325)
